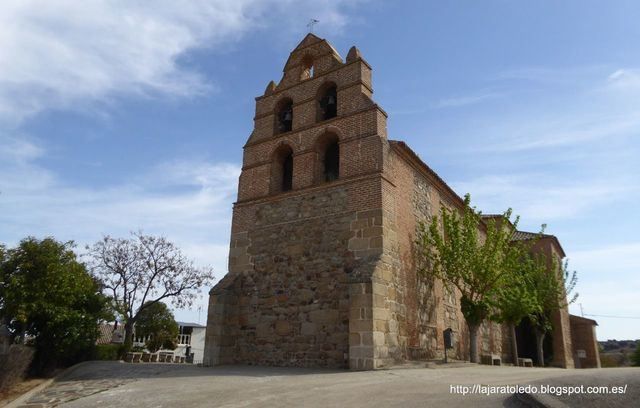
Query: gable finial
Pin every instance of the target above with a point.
(311, 23)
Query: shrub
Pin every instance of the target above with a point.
(108, 351)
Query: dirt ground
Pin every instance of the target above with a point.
(19, 389)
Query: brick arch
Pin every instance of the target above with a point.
(327, 149)
(325, 90)
(281, 168)
(283, 104)
(308, 64)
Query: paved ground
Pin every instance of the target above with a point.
(114, 384)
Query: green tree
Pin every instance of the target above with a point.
(515, 300)
(552, 282)
(157, 322)
(454, 252)
(48, 298)
(143, 270)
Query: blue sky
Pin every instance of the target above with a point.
(118, 116)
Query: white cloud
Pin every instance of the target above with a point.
(564, 107)
(66, 54)
(464, 100)
(541, 198)
(83, 56)
(567, 131)
(556, 76)
(189, 201)
(625, 79)
(600, 259)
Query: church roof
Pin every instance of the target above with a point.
(583, 319)
(399, 144)
(525, 236)
(517, 236)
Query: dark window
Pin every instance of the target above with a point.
(284, 116)
(329, 103)
(287, 172)
(332, 162)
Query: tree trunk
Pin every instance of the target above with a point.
(514, 344)
(540, 346)
(473, 343)
(128, 335)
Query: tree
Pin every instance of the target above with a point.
(515, 301)
(49, 298)
(157, 323)
(552, 282)
(516, 298)
(453, 252)
(143, 270)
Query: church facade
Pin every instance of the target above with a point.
(322, 271)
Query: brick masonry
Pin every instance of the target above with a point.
(324, 275)
(583, 338)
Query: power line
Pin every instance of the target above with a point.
(615, 317)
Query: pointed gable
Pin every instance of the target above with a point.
(308, 40)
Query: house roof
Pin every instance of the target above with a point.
(487, 217)
(187, 324)
(583, 319)
(525, 236)
(107, 334)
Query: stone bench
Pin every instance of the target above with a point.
(525, 362)
(132, 357)
(492, 359)
(165, 357)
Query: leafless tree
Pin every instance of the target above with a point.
(143, 270)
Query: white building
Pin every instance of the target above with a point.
(191, 338)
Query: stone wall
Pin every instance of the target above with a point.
(421, 308)
(299, 283)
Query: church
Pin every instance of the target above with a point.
(322, 271)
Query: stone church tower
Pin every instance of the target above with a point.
(321, 262)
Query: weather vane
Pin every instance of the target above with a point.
(312, 22)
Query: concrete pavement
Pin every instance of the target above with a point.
(115, 384)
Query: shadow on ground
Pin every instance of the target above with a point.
(99, 370)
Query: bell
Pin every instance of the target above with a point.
(288, 116)
(331, 100)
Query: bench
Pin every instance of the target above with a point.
(525, 362)
(165, 357)
(132, 357)
(492, 359)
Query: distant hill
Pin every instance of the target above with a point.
(617, 353)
